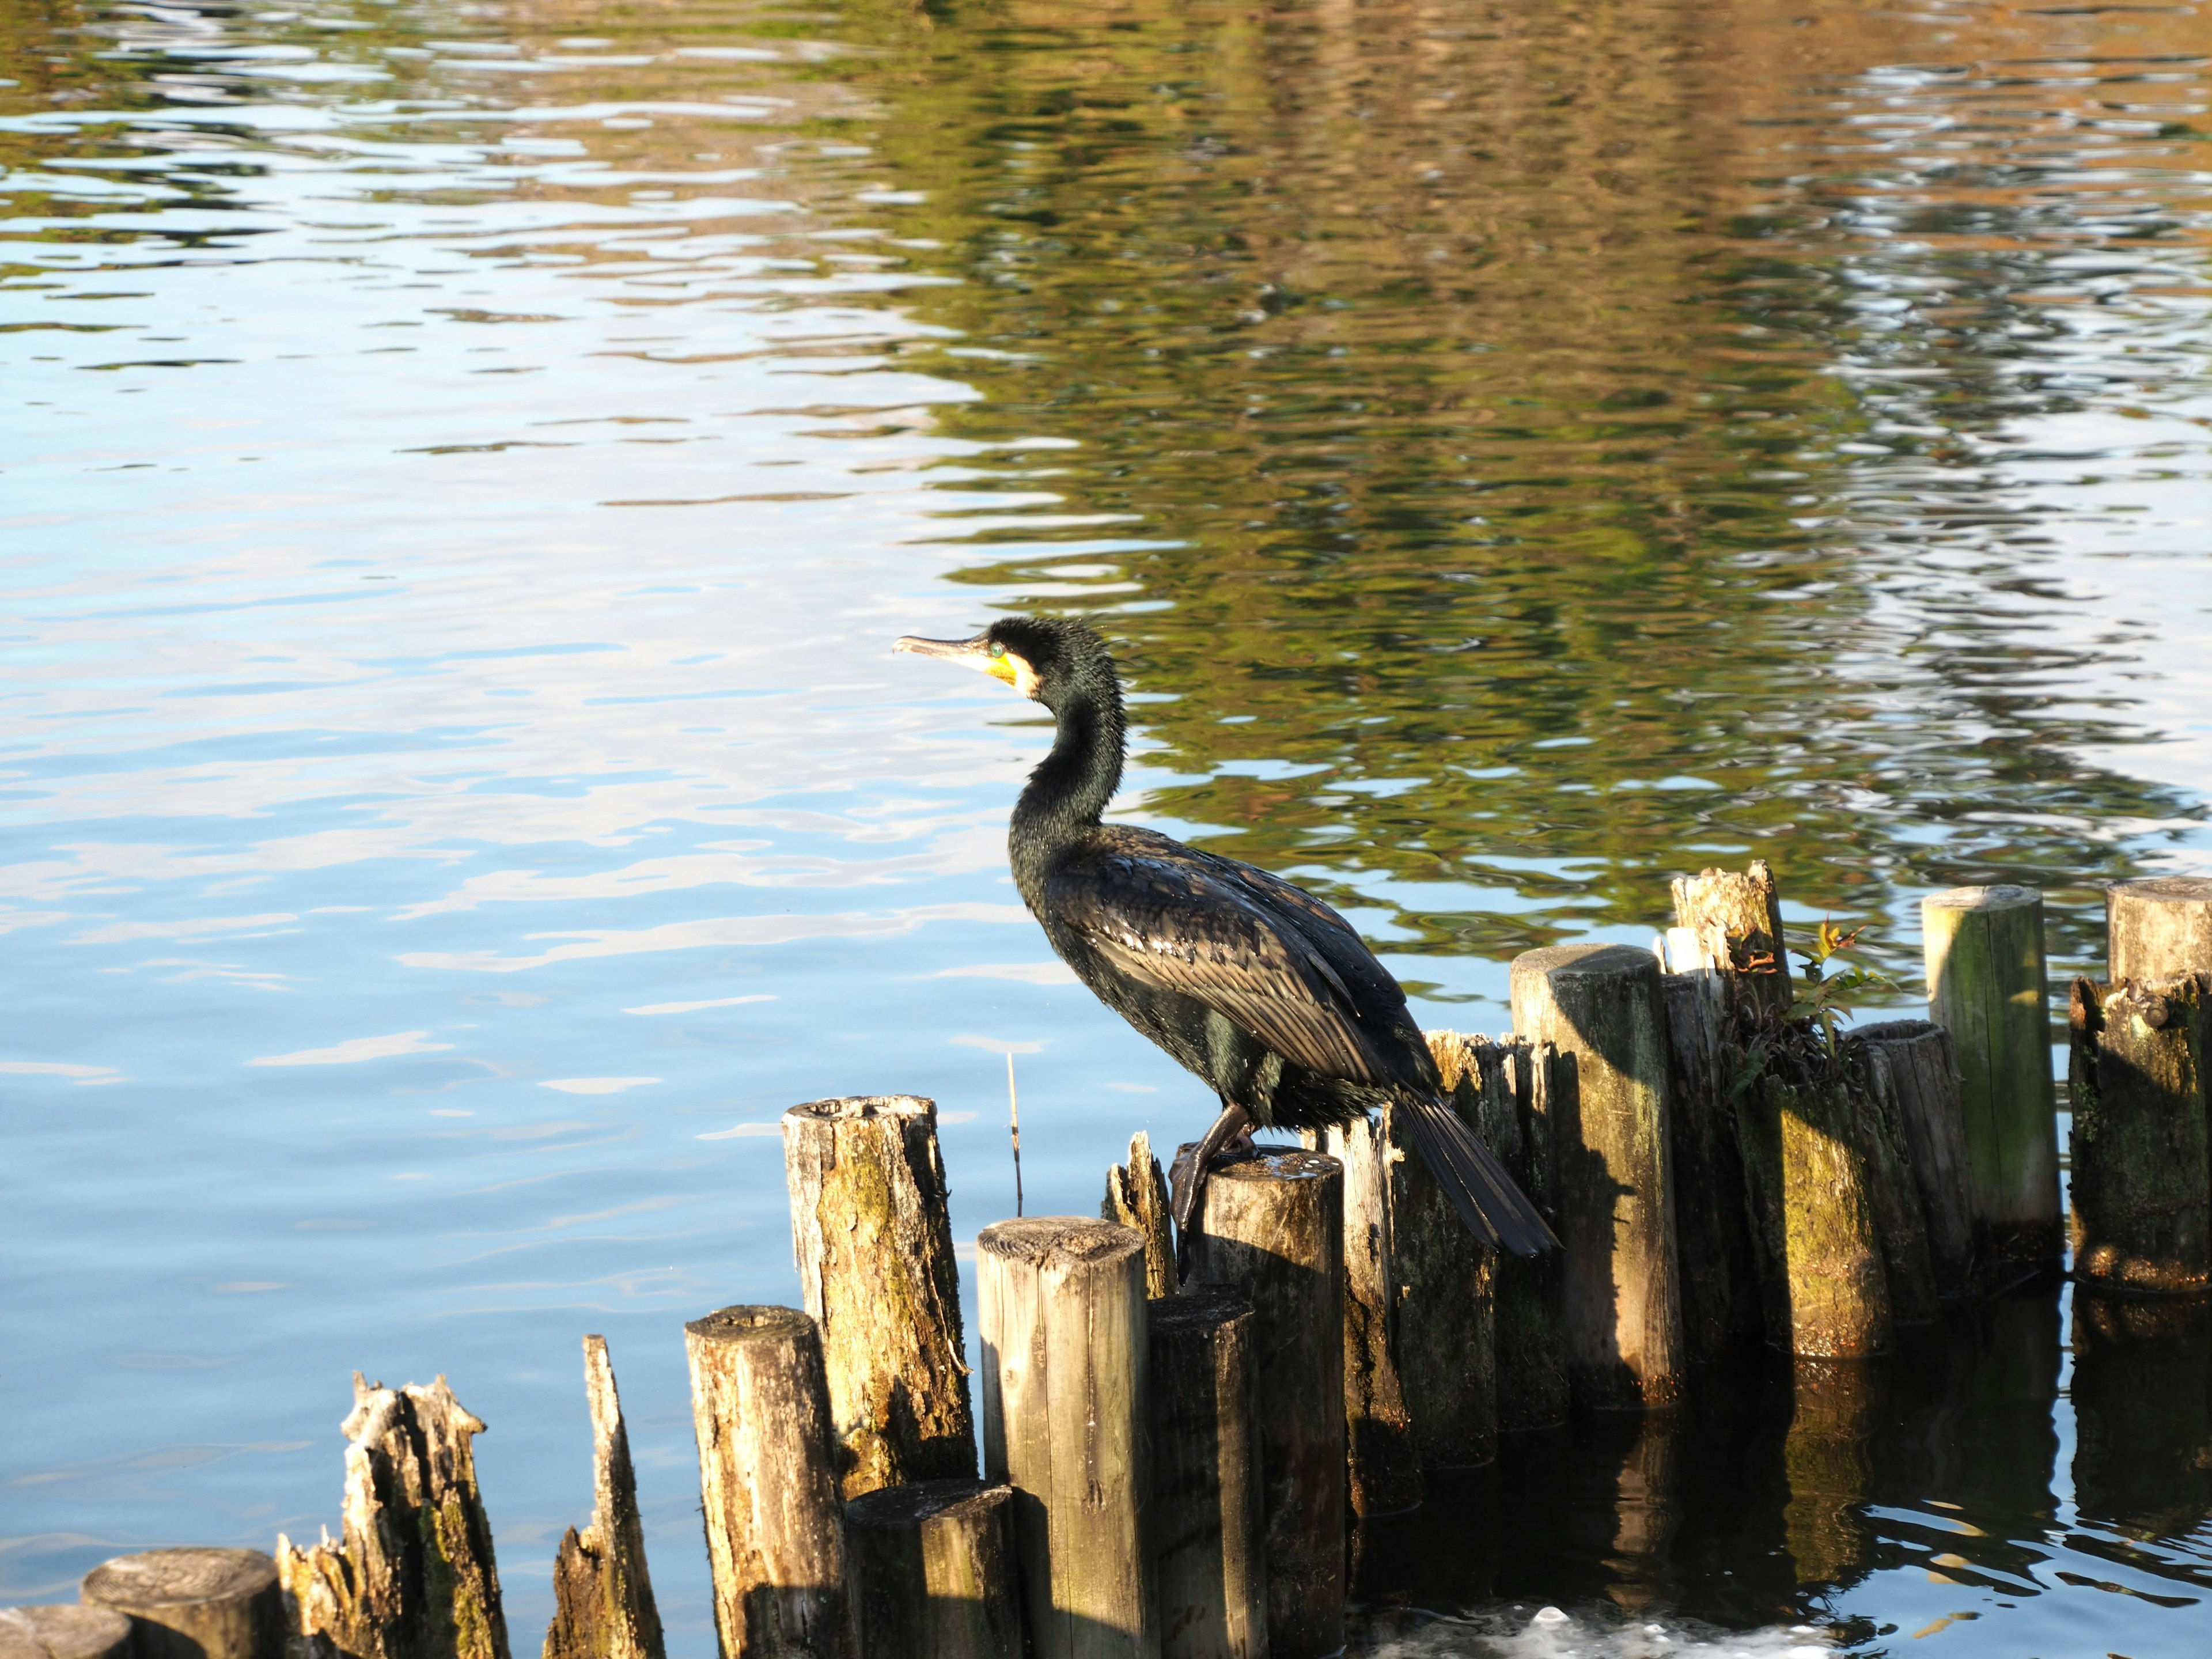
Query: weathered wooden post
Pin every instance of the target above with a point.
(1602, 1007)
(1066, 1369)
(602, 1606)
(1209, 1517)
(1136, 1196)
(1272, 1225)
(411, 1479)
(2158, 926)
(933, 1571)
(1714, 1252)
(1812, 1213)
(1986, 987)
(1522, 1085)
(65, 1631)
(1909, 1063)
(1383, 1474)
(761, 1408)
(1731, 924)
(193, 1603)
(873, 1240)
(1453, 1296)
(2141, 1143)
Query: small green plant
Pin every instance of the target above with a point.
(1830, 995)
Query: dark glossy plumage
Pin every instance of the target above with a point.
(1251, 983)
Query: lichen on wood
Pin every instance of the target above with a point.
(602, 1593)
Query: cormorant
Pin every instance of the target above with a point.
(1254, 984)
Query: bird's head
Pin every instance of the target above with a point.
(1044, 658)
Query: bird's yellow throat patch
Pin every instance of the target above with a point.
(1016, 672)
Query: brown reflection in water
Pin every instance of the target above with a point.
(2142, 1403)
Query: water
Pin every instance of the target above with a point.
(463, 465)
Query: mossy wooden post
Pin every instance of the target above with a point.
(1136, 1196)
(1986, 987)
(602, 1606)
(872, 1235)
(1734, 925)
(768, 1484)
(65, 1631)
(2158, 926)
(1826, 1282)
(412, 1576)
(1272, 1225)
(193, 1603)
(1909, 1062)
(933, 1571)
(1383, 1474)
(1602, 1007)
(2142, 1144)
(1208, 1516)
(1721, 1308)
(1066, 1369)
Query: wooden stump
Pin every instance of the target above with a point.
(193, 1603)
(2142, 1166)
(1066, 1394)
(1136, 1196)
(1449, 1287)
(1826, 1284)
(1985, 986)
(1209, 1515)
(2159, 927)
(65, 1633)
(933, 1574)
(1602, 1007)
(874, 1238)
(1714, 1252)
(1272, 1226)
(1909, 1064)
(412, 1576)
(602, 1606)
(1383, 1472)
(1899, 1225)
(1524, 1083)
(1731, 924)
(761, 1409)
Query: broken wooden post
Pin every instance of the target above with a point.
(603, 1605)
(2158, 926)
(1714, 1252)
(412, 1572)
(1271, 1224)
(1450, 1290)
(65, 1631)
(1136, 1196)
(1985, 986)
(1061, 1300)
(1602, 1007)
(1731, 924)
(872, 1235)
(760, 1407)
(1383, 1471)
(1208, 1506)
(1909, 1063)
(1523, 1084)
(2141, 1164)
(934, 1575)
(194, 1603)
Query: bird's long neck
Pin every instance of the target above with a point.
(1073, 785)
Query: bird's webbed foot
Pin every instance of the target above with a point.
(1187, 1181)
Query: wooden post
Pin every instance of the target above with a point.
(1985, 985)
(761, 1409)
(413, 1573)
(1825, 1280)
(1136, 1196)
(1383, 1473)
(193, 1604)
(933, 1574)
(2142, 1166)
(1602, 1007)
(1909, 1063)
(1451, 1290)
(1209, 1514)
(1524, 1083)
(65, 1631)
(1721, 1308)
(1734, 927)
(1066, 1393)
(2158, 926)
(1272, 1226)
(874, 1238)
(602, 1606)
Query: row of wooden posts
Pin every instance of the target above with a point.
(1170, 1450)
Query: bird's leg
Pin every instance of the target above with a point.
(1234, 1123)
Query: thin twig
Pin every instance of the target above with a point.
(1014, 1111)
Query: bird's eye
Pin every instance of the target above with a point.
(998, 650)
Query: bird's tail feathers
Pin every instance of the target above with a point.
(1488, 1200)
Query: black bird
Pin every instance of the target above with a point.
(1256, 986)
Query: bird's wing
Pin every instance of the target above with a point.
(1172, 919)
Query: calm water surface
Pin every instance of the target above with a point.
(461, 466)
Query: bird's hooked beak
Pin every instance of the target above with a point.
(981, 653)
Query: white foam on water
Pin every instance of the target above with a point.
(1520, 1631)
